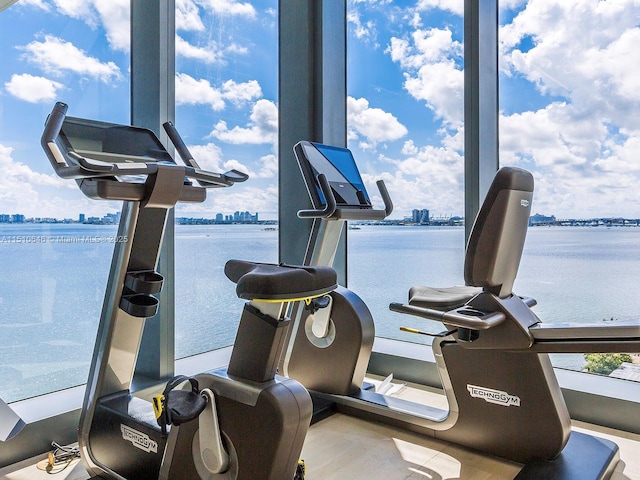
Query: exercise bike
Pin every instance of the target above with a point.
(491, 352)
(238, 423)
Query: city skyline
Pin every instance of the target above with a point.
(418, 217)
(568, 101)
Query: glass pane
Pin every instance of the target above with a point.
(226, 93)
(405, 125)
(569, 103)
(56, 245)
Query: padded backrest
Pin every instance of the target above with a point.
(497, 238)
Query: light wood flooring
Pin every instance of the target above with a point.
(342, 447)
(347, 448)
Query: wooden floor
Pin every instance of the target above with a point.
(342, 447)
(347, 448)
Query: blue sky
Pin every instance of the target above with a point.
(569, 93)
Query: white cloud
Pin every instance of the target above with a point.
(362, 31)
(208, 54)
(33, 89)
(114, 15)
(268, 167)
(195, 92)
(374, 124)
(564, 60)
(511, 4)
(427, 175)
(428, 58)
(188, 16)
(262, 128)
(453, 6)
(77, 9)
(556, 136)
(20, 187)
(577, 161)
(190, 91)
(240, 93)
(234, 48)
(208, 156)
(35, 3)
(55, 56)
(583, 148)
(229, 7)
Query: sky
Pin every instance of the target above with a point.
(569, 99)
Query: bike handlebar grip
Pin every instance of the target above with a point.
(54, 122)
(330, 201)
(384, 193)
(181, 148)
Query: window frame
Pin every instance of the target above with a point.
(321, 115)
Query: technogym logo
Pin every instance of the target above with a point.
(138, 439)
(494, 396)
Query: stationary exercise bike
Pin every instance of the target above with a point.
(491, 354)
(238, 423)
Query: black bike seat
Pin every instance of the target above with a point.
(268, 281)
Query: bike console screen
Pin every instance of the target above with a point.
(111, 142)
(339, 166)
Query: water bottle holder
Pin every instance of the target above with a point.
(144, 281)
(139, 305)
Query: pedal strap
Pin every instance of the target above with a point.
(301, 470)
(175, 407)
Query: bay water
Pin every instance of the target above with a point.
(54, 276)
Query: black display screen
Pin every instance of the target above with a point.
(339, 166)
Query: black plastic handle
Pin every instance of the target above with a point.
(235, 176)
(223, 179)
(330, 201)
(53, 124)
(181, 147)
(463, 317)
(384, 193)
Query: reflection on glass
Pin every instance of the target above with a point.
(405, 125)
(226, 92)
(55, 245)
(569, 116)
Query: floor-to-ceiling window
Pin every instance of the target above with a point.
(55, 244)
(226, 110)
(405, 125)
(569, 99)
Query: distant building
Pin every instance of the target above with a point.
(420, 216)
(111, 218)
(4, 218)
(81, 218)
(17, 218)
(245, 217)
(219, 217)
(538, 219)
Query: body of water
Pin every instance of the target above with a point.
(54, 276)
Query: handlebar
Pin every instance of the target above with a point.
(330, 205)
(229, 178)
(54, 123)
(464, 317)
(384, 193)
(69, 164)
(181, 148)
(331, 211)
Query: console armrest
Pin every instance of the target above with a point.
(463, 317)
